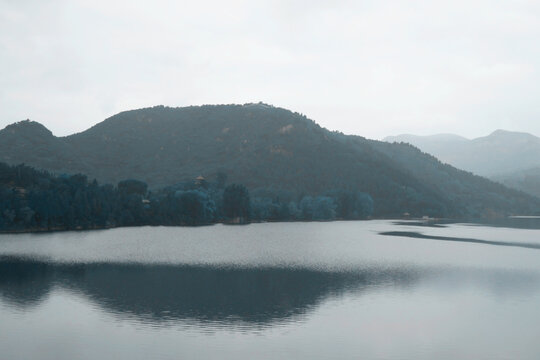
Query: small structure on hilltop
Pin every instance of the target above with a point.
(200, 181)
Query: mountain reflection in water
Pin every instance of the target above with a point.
(159, 294)
(156, 293)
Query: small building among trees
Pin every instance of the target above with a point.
(201, 181)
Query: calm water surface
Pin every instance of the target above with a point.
(337, 290)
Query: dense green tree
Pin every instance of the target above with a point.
(195, 207)
(236, 202)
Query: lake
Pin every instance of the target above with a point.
(375, 289)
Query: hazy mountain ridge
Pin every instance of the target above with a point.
(501, 152)
(512, 158)
(262, 147)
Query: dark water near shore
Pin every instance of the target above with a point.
(339, 290)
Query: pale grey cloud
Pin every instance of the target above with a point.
(372, 68)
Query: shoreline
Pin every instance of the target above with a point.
(406, 221)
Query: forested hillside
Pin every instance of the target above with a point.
(280, 156)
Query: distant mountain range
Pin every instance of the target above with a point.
(509, 157)
(262, 147)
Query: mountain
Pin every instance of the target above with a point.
(512, 158)
(265, 148)
(501, 152)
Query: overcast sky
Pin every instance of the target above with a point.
(372, 68)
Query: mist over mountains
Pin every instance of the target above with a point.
(265, 148)
(512, 158)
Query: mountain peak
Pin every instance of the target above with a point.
(27, 128)
(508, 139)
(500, 133)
